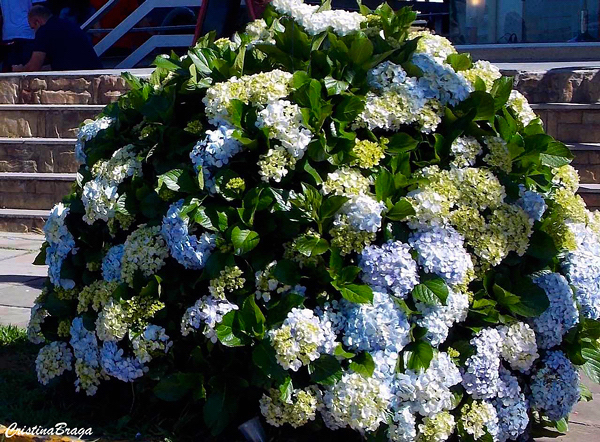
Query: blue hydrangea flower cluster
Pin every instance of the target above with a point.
(60, 243)
(582, 267)
(390, 267)
(189, 250)
(364, 213)
(381, 325)
(440, 81)
(561, 316)
(511, 408)
(86, 133)
(438, 319)
(126, 369)
(111, 264)
(555, 386)
(481, 376)
(207, 312)
(532, 203)
(213, 152)
(441, 251)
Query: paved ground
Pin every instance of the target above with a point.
(21, 282)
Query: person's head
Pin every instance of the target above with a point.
(38, 16)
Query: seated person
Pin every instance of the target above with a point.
(59, 43)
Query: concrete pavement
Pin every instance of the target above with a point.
(21, 283)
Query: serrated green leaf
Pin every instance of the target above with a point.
(363, 364)
(401, 210)
(311, 245)
(244, 240)
(326, 370)
(357, 293)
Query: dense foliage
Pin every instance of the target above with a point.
(332, 220)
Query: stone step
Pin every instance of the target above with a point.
(35, 191)
(44, 120)
(587, 161)
(70, 87)
(22, 220)
(591, 195)
(46, 155)
(556, 82)
(571, 122)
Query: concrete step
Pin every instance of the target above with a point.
(571, 122)
(44, 155)
(591, 195)
(44, 120)
(35, 191)
(22, 220)
(70, 87)
(587, 161)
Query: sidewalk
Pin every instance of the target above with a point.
(21, 282)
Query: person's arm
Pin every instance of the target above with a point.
(34, 65)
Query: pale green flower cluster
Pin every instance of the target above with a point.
(250, 89)
(391, 110)
(484, 70)
(519, 104)
(368, 153)
(112, 323)
(297, 410)
(236, 184)
(346, 182)
(96, 295)
(437, 46)
(123, 163)
(465, 151)
(348, 239)
(513, 225)
(275, 164)
(34, 328)
(567, 177)
(430, 116)
(437, 428)
(145, 250)
(478, 417)
(291, 252)
(479, 188)
(499, 155)
(53, 360)
(88, 377)
(229, 280)
(64, 328)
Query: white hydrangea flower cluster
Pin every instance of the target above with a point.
(435, 45)
(465, 151)
(437, 428)
(555, 386)
(207, 313)
(438, 319)
(582, 267)
(299, 409)
(86, 133)
(363, 213)
(34, 327)
(60, 243)
(100, 195)
(266, 284)
(145, 250)
(403, 427)
(561, 316)
(346, 182)
(519, 347)
(112, 323)
(519, 104)
(442, 252)
(314, 22)
(484, 70)
(391, 267)
(153, 340)
(52, 361)
(213, 152)
(189, 250)
(356, 402)
(259, 32)
(258, 89)
(302, 338)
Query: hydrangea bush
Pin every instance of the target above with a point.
(333, 221)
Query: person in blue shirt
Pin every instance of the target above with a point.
(60, 43)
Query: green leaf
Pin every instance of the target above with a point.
(40, 259)
(420, 355)
(357, 293)
(225, 331)
(460, 62)
(251, 319)
(482, 103)
(401, 143)
(333, 86)
(586, 394)
(341, 353)
(287, 272)
(244, 240)
(592, 366)
(401, 210)
(349, 108)
(264, 357)
(311, 245)
(384, 185)
(286, 389)
(501, 91)
(331, 206)
(556, 155)
(222, 402)
(422, 293)
(438, 286)
(534, 300)
(363, 364)
(280, 309)
(175, 386)
(326, 370)
(361, 50)
(347, 275)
